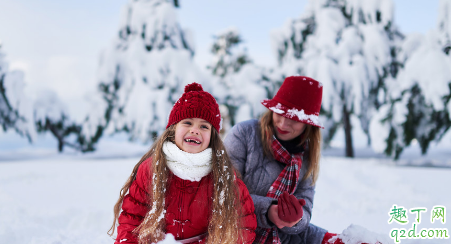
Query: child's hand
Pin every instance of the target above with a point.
(290, 208)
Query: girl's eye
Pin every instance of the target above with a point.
(204, 127)
(187, 123)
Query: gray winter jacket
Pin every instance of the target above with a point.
(244, 147)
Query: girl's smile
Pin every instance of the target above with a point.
(192, 135)
(193, 140)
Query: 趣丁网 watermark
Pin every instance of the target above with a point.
(399, 214)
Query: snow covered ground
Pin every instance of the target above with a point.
(66, 199)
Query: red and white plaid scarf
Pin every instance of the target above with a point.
(286, 181)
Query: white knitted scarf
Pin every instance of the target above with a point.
(187, 166)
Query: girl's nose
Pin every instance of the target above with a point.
(194, 131)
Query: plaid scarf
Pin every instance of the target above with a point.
(286, 181)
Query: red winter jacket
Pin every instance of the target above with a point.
(188, 206)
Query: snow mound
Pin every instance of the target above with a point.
(356, 234)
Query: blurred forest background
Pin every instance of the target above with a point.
(384, 88)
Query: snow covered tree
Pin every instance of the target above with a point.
(350, 47)
(228, 56)
(50, 114)
(444, 25)
(30, 116)
(15, 110)
(241, 85)
(419, 107)
(143, 73)
(95, 123)
(244, 92)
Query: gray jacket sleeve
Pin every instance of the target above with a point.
(236, 143)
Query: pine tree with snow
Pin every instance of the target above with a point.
(444, 25)
(420, 107)
(50, 115)
(228, 56)
(349, 46)
(93, 127)
(241, 85)
(143, 73)
(15, 110)
(29, 117)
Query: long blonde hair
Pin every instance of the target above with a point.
(224, 221)
(311, 136)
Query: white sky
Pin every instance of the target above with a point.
(57, 43)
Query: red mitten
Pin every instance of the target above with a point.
(290, 208)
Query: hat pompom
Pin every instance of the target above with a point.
(196, 103)
(193, 87)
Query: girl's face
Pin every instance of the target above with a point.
(192, 135)
(287, 129)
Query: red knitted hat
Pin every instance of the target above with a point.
(196, 103)
(299, 98)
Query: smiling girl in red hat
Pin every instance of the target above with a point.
(278, 158)
(185, 184)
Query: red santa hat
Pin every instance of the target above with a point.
(299, 98)
(196, 103)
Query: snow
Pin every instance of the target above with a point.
(49, 106)
(94, 118)
(277, 109)
(302, 116)
(69, 199)
(145, 70)
(358, 234)
(428, 64)
(444, 21)
(379, 131)
(14, 87)
(246, 91)
(16, 109)
(362, 191)
(237, 83)
(243, 113)
(369, 9)
(15, 148)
